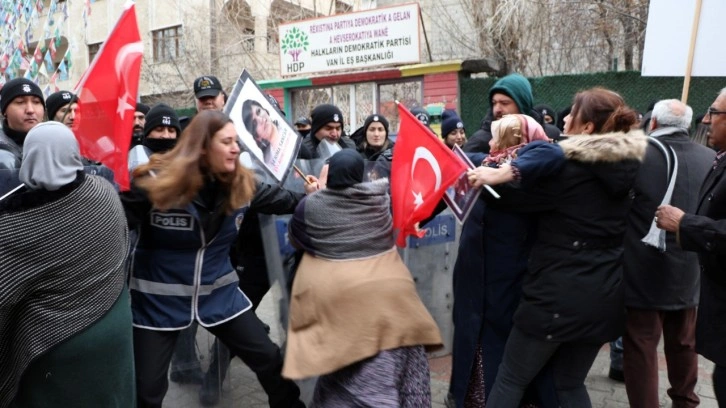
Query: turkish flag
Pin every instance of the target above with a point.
(107, 95)
(423, 168)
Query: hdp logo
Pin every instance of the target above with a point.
(294, 43)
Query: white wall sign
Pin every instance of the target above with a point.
(668, 35)
(371, 38)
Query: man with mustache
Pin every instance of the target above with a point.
(139, 122)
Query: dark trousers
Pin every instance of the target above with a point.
(255, 283)
(719, 385)
(524, 357)
(640, 359)
(244, 335)
(185, 351)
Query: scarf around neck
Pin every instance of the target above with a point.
(349, 223)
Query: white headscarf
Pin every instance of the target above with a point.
(51, 157)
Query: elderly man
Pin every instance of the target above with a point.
(22, 106)
(62, 106)
(662, 288)
(704, 231)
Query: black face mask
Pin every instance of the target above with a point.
(304, 133)
(137, 137)
(159, 145)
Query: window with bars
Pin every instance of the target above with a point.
(248, 39)
(368, 97)
(167, 43)
(93, 50)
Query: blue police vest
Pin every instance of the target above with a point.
(178, 275)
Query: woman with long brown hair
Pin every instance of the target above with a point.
(572, 300)
(186, 205)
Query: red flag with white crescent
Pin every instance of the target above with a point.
(107, 95)
(423, 168)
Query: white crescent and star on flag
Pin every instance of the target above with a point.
(128, 52)
(422, 153)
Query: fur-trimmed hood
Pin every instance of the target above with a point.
(614, 158)
(609, 147)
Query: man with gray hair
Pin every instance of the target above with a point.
(662, 285)
(703, 230)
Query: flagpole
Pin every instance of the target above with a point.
(12, 191)
(691, 50)
(300, 172)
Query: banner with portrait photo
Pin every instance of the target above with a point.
(263, 131)
(461, 196)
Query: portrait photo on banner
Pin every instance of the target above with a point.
(263, 130)
(461, 196)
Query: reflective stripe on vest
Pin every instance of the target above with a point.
(177, 289)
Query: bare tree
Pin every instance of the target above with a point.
(541, 37)
(221, 39)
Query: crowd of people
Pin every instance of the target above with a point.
(610, 228)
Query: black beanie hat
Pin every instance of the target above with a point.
(546, 110)
(449, 122)
(161, 115)
(143, 108)
(58, 100)
(19, 87)
(376, 118)
(324, 114)
(422, 115)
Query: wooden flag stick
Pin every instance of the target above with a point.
(691, 50)
(298, 171)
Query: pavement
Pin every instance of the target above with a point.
(241, 388)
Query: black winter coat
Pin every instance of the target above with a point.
(572, 290)
(705, 233)
(664, 280)
(10, 152)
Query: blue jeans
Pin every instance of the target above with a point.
(524, 357)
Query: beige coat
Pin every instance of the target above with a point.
(342, 312)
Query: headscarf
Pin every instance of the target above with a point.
(51, 157)
(522, 128)
(345, 169)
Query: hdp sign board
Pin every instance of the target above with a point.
(365, 39)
